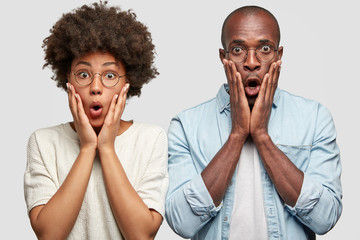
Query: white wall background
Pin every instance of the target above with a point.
(321, 61)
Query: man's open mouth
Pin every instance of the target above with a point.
(252, 87)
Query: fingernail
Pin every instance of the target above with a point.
(116, 96)
(229, 64)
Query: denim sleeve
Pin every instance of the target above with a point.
(189, 205)
(319, 205)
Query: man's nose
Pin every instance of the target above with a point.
(96, 86)
(251, 63)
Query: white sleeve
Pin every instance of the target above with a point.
(154, 183)
(39, 187)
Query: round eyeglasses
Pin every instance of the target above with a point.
(108, 78)
(263, 53)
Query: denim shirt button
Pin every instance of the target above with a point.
(225, 219)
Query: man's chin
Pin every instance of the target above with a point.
(251, 101)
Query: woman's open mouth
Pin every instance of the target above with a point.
(95, 110)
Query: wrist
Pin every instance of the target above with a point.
(106, 149)
(237, 138)
(260, 138)
(88, 148)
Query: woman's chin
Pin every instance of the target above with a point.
(96, 123)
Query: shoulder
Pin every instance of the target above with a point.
(50, 130)
(50, 135)
(146, 129)
(145, 133)
(290, 98)
(198, 109)
(197, 114)
(295, 103)
(302, 111)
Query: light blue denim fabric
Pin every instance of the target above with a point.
(302, 129)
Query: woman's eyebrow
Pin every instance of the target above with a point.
(84, 63)
(111, 63)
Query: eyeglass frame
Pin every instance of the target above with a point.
(93, 75)
(247, 53)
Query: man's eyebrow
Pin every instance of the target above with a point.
(265, 41)
(238, 41)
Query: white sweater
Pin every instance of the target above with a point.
(142, 151)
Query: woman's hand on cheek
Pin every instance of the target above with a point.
(110, 128)
(84, 130)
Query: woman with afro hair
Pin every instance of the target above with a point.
(98, 176)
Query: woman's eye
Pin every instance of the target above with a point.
(110, 75)
(83, 75)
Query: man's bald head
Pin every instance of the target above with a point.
(249, 11)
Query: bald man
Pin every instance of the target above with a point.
(255, 162)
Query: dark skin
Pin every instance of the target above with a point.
(250, 113)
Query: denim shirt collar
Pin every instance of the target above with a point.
(223, 98)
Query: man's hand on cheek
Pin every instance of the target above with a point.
(240, 111)
(262, 108)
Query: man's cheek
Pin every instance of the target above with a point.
(267, 68)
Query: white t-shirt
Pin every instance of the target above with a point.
(248, 220)
(142, 151)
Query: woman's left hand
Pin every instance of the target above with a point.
(110, 128)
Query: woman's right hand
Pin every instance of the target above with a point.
(87, 135)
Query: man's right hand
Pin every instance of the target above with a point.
(240, 111)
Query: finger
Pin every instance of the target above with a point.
(240, 88)
(277, 74)
(80, 109)
(274, 80)
(111, 111)
(227, 71)
(233, 70)
(120, 105)
(72, 101)
(233, 82)
(228, 77)
(270, 82)
(263, 87)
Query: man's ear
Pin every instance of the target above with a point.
(222, 54)
(280, 52)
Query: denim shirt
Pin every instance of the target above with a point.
(302, 129)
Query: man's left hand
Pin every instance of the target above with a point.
(261, 111)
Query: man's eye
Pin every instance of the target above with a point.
(265, 49)
(237, 50)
